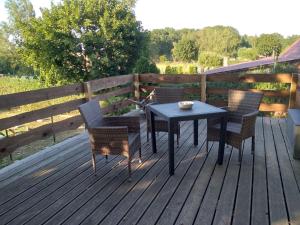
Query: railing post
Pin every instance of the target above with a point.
(293, 89)
(203, 87)
(87, 91)
(136, 86)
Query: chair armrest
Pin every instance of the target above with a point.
(131, 122)
(248, 124)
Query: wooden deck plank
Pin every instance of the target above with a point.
(260, 212)
(224, 209)
(195, 197)
(295, 163)
(109, 205)
(278, 214)
(160, 201)
(291, 191)
(140, 206)
(208, 205)
(242, 209)
(182, 193)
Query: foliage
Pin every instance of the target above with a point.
(193, 69)
(144, 65)
(171, 70)
(287, 42)
(210, 59)
(285, 68)
(269, 44)
(161, 42)
(80, 40)
(163, 59)
(219, 39)
(248, 53)
(185, 50)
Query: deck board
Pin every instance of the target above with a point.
(262, 190)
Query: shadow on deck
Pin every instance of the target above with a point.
(263, 189)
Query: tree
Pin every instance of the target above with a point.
(79, 40)
(269, 44)
(144, 65)
(219, 39)
(210, 59)
(185, 50)
(161, 42)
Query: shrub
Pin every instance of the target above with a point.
(193, 69)
(163, 59)
(171, 70)
(248, 53)
(144, 65)
(210, 59)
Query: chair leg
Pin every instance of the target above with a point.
(177, 140)
(147, 135)
(253, 145)
(94, 162)
(240, 154)
(129, 169)
(206, 146)
(106, 158)
(140, 155)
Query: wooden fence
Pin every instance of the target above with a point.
(198, 86)
(108, 87)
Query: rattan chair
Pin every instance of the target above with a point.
(111, 135)
(164, 95)
(242, 112)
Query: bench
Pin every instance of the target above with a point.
(293, 131)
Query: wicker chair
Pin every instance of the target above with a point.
(164, 95)
(243, 110)
(111, 135)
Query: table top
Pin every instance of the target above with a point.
(199, 110)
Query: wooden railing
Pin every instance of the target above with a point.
(108, 87)
(198, 86)
(211, 88)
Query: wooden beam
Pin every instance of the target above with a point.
(203, 87)
(110, 82)
(40, 113)
(23, 98)
(293, 89)
(250, 78)
(166, 78)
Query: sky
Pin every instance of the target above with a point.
(252, 17)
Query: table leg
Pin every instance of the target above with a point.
(171, 147)
(195, 132)
(222, 140)
(153, 137)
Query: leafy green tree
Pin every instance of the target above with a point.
(210, 59)
(220, 40)
(79, 40)
(161, 42)
(185, 50)
(269, 44)
(288, 41)
(248, 53)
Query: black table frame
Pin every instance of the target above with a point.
(172, 121)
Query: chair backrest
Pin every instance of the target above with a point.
(168, 95)
(243, 102)
(91, 113)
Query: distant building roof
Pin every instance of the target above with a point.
(291, 54)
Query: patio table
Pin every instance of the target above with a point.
(173, 114)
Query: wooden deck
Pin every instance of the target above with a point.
(264, 189)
